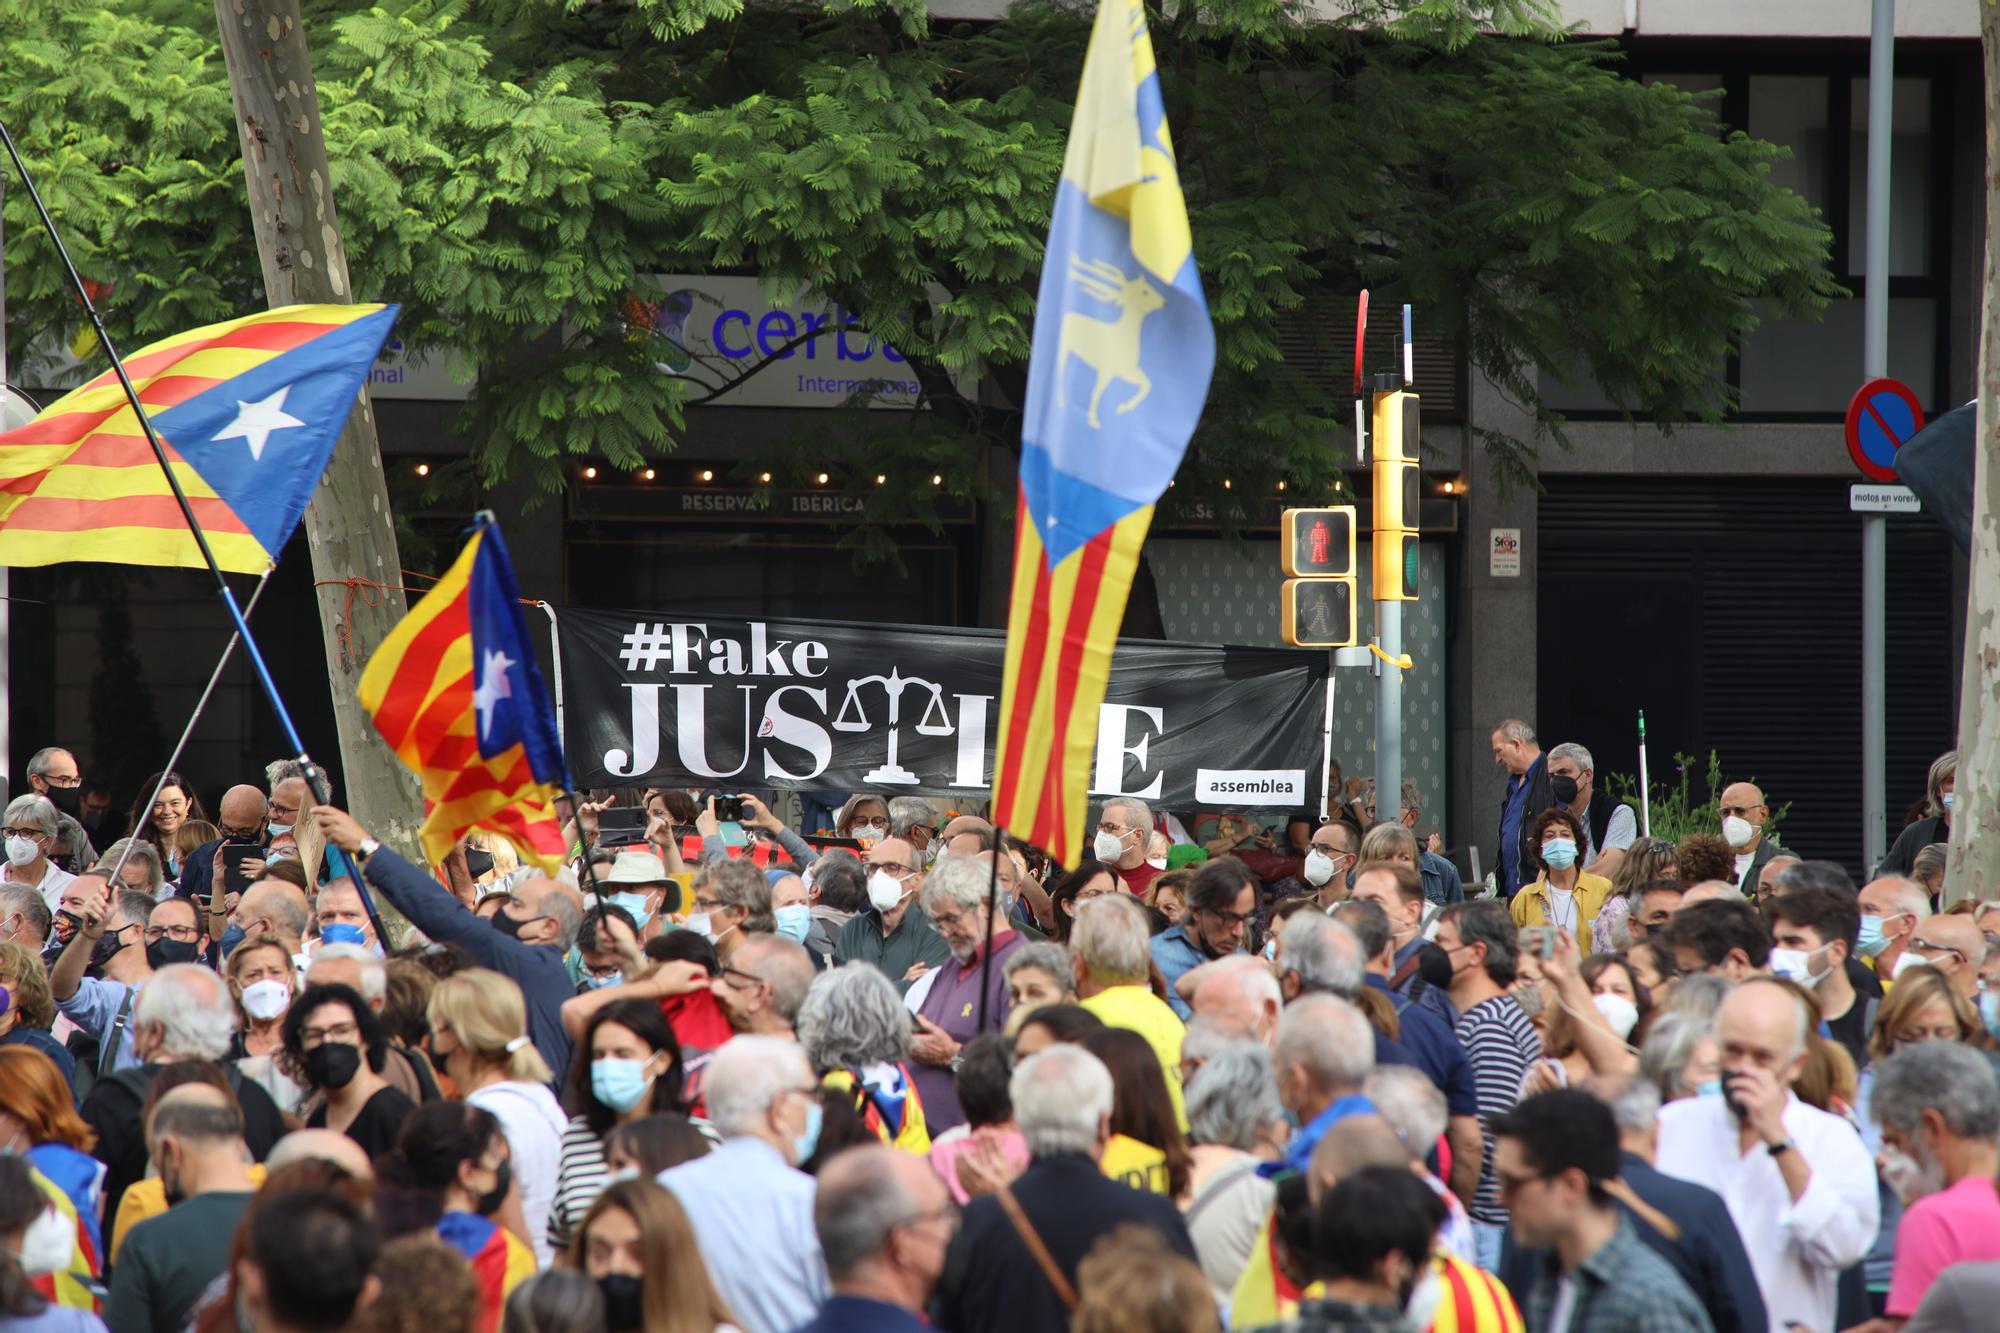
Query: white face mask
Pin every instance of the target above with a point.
(1796, 965)
(48, 1245)
(265, 1000)
(1157, 862)
(1425, 1297)
(885, 891)
(1737, 831)
(1107, 847)
(1619, 1012)
(1906, 960)
(21, 851)
(1319, 867)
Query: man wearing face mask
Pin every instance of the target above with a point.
(1743, 814)
(342, 918)
(1220, 903)
(167, 1262)
(53, 776)
(638, 883)
(107, 940)
(173, 934)
(893, 934)
(884, 1221)
(1122, 829)
(32, 840)
(526, 941)
(1609, 826)
(1556, 1155)
(1812, 931)
(791, 916)
(1329, 858)
(1892, 908)
(750, 1206)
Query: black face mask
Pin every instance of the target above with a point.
(332, 1065)
(489, 1202)
(107, 946)
(1563, 788)
(624, 1310)
(165, 953)
(507, 925)
(69, 800)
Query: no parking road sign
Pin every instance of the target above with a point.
(1882, 414)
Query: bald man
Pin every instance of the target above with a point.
(1743, 814)
(239, 819)
(1892, 908)
(884, 1221)
(271, 907)
(328, 1145)
(1954, 945)
(1797, 1181)
(1710, 890)
(1242, 989)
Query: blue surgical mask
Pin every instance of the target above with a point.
(276, 831)
(794, 921)
(1944, 799)
(341, 932)
(1989, 1011)
(1871, 940)
(1712, 1088)
(608, 979)
(1559, 853)
(619, 1084)
(635, 903)
(807, 1142)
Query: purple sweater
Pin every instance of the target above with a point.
(953, 1004)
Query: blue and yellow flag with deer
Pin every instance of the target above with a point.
(1120, 367)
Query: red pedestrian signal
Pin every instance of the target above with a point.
(1318, 543)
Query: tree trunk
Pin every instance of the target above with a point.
(1975, 827)
(348, 525)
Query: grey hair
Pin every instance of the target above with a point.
(1801, 874)
(1232, 1097)
(1109, 935)
(1929, 860)
(190, 1005)
(1329, 1039)
(856, 1207)
(746, 1075)
(1208, 1033)
(142, 852)
(1061, 1095)
(562, 909)
(374, 973)
(963, 881)
(1405, 1097)
(1699, 994)
(742, 885)
(284, 770)
(288, 909)
(1634, 1102)
(906, 812)
(1669, 1046)
(40, 809)
(1514, 729)
(136, 907)
(1138, 814)
(1943, 1076)
(1571, 750)
(786, 967)
(841, 880)
(1324, 953)
(27, 900)
(851, 1017)
(1369, 923)
(1943, 769)
(38, 764)
(1911, 897)
(1049, 957)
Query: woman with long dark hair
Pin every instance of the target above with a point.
(1090, 879)
(451, 1172)
(1147, 1149)
(633, 1070)
(636, 1243)
(157, 823)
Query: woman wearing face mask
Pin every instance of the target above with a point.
(1940, 789)
(637, 1245)
(336, 1043)
(262, 982)
(1563, 894)
(634, 1071)
(39, 1125)
(27, 1010)
(35, 1240)
(451, 1172)
(1582, 1017)
(864, 818)
(479, 1036)
(32, 835)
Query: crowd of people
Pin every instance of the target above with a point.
(884, 1067)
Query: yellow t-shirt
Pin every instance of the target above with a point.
(1130, 1162)
(148, 1198)
(894, 1113)
(1137, 1009)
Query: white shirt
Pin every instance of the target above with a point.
(54, 880)
(1796, 1249)
(1563, 1308)
(752, 1215)
(534, 1125)
(1743, 860)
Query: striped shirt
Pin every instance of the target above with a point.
(583, 1175)
(1501, 1042)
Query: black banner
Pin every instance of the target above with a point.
(825, 705)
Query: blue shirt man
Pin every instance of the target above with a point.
(1515, 750)
(1220, 903)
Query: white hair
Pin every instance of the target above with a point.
(1324, 953)
(964, 882)
(747, 1074)
(1571, 750)
(40, 809)
(1329, 1039)
(1138, 814)
(1514, 729)
(1110, 937)
(1405, 1097)
(374, 973)
(1061, 1096)
(191, 1006)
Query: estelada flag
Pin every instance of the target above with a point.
(1120, 365)
(456, 691)
(248, 411)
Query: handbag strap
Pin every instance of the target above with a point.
(1033, 1240)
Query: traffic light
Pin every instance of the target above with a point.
(1398, 435)
(1319, 595)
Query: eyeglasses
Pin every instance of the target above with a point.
(72, 780)
(348, 1031)
(737, 979)
(895, 869)
(184, 934)
(280, 808)
(708, 904)
(1928, 949)
(25, 833)
(1227, 918)
(863, 822)
(1728, 810)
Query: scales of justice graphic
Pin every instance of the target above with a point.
(853, 717)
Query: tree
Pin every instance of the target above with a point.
(1973, 864)
(512, 173)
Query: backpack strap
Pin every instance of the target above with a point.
(1033, 1240)
(107, 1052)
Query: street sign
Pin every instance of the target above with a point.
(1319, 613)
(1318, 543)
(1882, 414)
(1882, 500)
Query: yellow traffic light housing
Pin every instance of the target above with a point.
(1319, 543)
(1397, 486)
(1319, 613)
(1317, 553)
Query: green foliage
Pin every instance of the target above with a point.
(511, 172)
(1673, 812)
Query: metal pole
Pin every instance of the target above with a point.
(1326, 742)
(1389, 713)
(6, 619)
(1875, 362)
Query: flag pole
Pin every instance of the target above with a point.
(992, 902)
(256, 656)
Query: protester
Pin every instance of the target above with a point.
(857, 1033)
(34, 835)
(270, 906)
(27, 1011)
(1813, 931)
(425, 1287)
(262, 982)
(1619, 921)
(638, 883)
(25, 920)
(1892, 907)
(524, 942)
(1112, 972)
(1221, 902)
(1123, 826)
(109, 939)
(340, 917)
(636, 1244)
(995, 1278)
(884, 1225)
(893, 935)
(1517, 753)
(277, 1292)
(1952, 943)
(761, 989)
(1395, 844)
(1038, 974)
(358, 968)
(965, 995)
(451, 1172)
(1372, 1241)
(1147, 1149)
(54, 776)
(1726, 937)
(632, 1071)
(1131, 1282)
(337, 1044)
(750, 1206)
(1091, 879)
(1235, 1124)
(559, 1300)
(38, 1122)
(989, 1143)
(1562, 894)
(1416, 961)
(1330, 856)
(1940, 786)
(836, 888)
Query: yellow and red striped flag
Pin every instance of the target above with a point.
(456, 691)
(248, 410)
(1122, 355)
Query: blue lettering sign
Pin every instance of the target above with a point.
(721, 343)
(779, 323)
